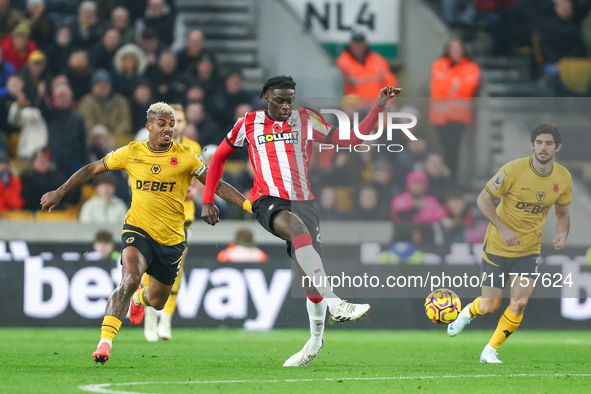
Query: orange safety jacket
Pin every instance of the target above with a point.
(365, 79)
(452, 89)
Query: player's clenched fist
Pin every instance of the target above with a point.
(510, 238)
(386, 95)
(210, 214)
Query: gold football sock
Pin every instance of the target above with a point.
(146, 280)
(474, 309)
(508, 323)
(170, 305)
(110, 327)
(138, 297)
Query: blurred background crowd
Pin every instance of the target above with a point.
(76, 78)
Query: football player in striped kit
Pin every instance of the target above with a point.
(279, 142)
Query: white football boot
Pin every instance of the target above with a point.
(151, 324)
(464, 318)
(489, 355)
(304, 357)
(165, 327)
(345, 311)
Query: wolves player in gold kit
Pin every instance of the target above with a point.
(527, 188)
(153, 327)
(153, 240)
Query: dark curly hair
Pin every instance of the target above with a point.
(278, 82)
(547, 128)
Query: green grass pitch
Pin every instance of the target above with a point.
(58, 360)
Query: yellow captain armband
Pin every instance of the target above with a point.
(247, 206)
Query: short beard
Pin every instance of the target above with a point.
(543, 162)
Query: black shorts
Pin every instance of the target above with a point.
(495, 270)
(265, 208)
(163, 261)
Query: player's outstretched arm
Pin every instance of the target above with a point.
(486, 205)
(367, 124)
(80, 177)
(209, 212)
(562, 226)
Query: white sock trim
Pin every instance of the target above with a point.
(107, 341)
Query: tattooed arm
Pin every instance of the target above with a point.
(226, 191)
(80, 177)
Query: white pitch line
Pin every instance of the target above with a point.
(102, 388)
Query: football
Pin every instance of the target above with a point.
(443, 306)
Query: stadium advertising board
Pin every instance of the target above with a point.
(332, 22)
(62, 285)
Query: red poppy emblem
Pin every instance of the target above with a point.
(174, 161)
(277, 128)
(555, 188)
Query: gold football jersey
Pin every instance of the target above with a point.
(526, 196)
(159, 182)
(190, 205)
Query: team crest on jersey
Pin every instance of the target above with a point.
(555, 188)
(174, 161)
(291, 121)
(156, 169)
(130, 240)
(271, 207)
(540, 196)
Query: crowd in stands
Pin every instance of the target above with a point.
(76, 78)
(550, 31)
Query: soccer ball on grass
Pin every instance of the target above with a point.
(443, 306)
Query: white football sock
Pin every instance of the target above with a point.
(311, 264)
(317, 315)
(107, 341)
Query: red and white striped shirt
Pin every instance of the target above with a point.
(280, 152)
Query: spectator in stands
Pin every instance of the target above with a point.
(365, 72)
(194, 48)
(103, 52)
(17, 46)
(36, 74)
(59, 52)
(87, 29)
(417, 208)
(42, 28)
(100, 142)
(104, 207)
(79, 72)
(165, 79)
(10, 187)
(208, 130)
(367, 206)
(327, 206)
(558, 27)
(441, 184)
(103, 106)
(9, 18)
(17, 93)
(27, 119)
(194, 93)
(414, 153)
(41, 175)
(120, 21)
(6, 70)
(454, 80)
(385, 183)
(458, 211)
(130, 66)
(142, 99)
(204, 73)
(458, 13)
(150, 45)
(226, 100)
(160, 17)
(242, 250)
(67, 136)
(103, 244)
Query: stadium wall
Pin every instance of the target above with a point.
(62, 284)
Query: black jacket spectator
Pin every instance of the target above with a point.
(59, 52)
(102, 53)
(160, 17)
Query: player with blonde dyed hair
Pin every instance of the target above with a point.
(154, 328)
(153, 240)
